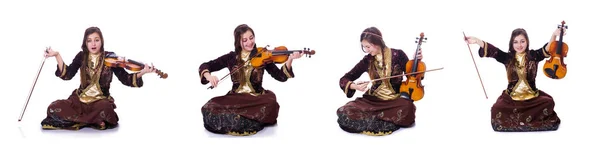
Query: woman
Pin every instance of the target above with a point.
(522, 106)
(382, 109)
(247, 108)
(91, 104)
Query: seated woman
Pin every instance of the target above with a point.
(247, 108)
(91, 104)
(382, 109)
(522, 106)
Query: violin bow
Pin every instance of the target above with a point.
(473, 58)
(31, 91)
(236, 69)
(399, 75)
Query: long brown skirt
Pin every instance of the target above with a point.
(535, 114)
(371, 115)
(240, 114)
(72, 114)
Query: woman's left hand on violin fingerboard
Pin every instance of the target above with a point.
(292, 56)
(147, 69)
(295, 55)
(420, 55)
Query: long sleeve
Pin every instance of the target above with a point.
(215, 65)
(126, 78)
(540, 54)
(489, 50)
(69, 71)
(280, 74)
(352, 75)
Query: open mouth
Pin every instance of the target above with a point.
(94, 48)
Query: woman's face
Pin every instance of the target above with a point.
(247, 41)
(370, 48)
(520, 43)
(94, 43)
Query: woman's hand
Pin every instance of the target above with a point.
(419, 54)
(50, 53)
(474, 40)
(361, 86)
(557, 32)
(212, 79)
(147, 69)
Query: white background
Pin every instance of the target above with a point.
(163, 117)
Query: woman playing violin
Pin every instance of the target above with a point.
(522, 106)
(382, 109)
(91, 104)
(247, 108)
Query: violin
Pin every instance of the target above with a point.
(555, 67)
(413, 87)
(264, 56)
(113, 61)
(278, 55)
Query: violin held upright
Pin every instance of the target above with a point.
(555, 66)
(412, 87)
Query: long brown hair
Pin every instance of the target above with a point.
(86, 52)
(512, 52)
(237, 35)
(373, 36)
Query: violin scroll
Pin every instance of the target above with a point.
(421, 38)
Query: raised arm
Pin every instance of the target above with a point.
(215, 65)
(67, 72)
(489, 50)
(541, 53)
(544, 52)
(346, 82)
(280, 74)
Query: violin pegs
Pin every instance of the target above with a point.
(416, 41)
(425, 38)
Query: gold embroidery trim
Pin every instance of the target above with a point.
(546, 53)
(245, 133)
(385, 91)
(246, 85)
(522, 90)
(485, 48)
(203, 71)
(64, 71)
(347, 86)
(74, 127)
(286, 72)
(369, 133)
(93, 92)
(134, 80)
